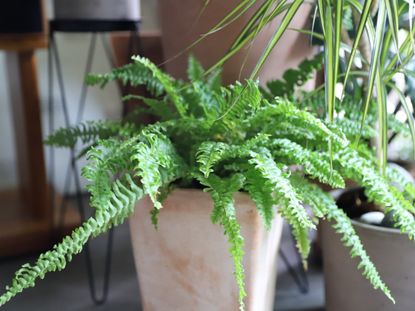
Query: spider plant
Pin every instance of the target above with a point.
(377, 27)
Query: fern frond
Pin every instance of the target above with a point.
(135, 74)
(208, 154)
(88, 132)
(268, 117)
(211, 153)
(167, 82)
(323, 205)
(377, 189)
(207, 101)
(124, 195)
(261, 192)
(155, 162)
(406, 186)
(195, 71)
(239, 98)
(143, 72)
(291, 208)
(351, 128)
(222, 191)
(103, 162)
(114, 200)
(155, 107)
(312, 162)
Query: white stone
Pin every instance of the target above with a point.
(372, 218)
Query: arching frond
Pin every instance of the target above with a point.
(222, 191)
(324, 206)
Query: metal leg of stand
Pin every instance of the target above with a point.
(80, 112)
(134, 39)
(132, 49)
(300, 276)
(54, 55)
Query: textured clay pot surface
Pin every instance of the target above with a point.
(97, 9)
(393, 255)
(184, 21)
(185, 265)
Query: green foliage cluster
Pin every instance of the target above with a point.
(223, 139)
(348, 113)
(371, 39)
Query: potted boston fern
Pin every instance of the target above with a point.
(243, 149)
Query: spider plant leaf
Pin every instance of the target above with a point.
(409, 115)
(311, 33)
(374, 69)
(232, 16)
(320, 6)
(411, 16)
(360, 29)
(249, 35)
(385, 52)
(291, 11)
(337, 37)
(407, 49)
(393, 18)
(382, 103)
(250, 25)
(330, 62)
(236, 12)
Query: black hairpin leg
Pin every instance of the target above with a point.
(134, 46)
(72, 167)
(300, 275)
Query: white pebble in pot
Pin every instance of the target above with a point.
(372, 218)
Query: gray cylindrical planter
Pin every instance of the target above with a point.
(185, 265)
(393, 255)
(97, 9)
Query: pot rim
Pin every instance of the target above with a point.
(336, 194)
(376, 228)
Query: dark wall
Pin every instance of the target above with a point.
(20, 16)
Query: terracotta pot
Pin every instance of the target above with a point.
(393, 255)
(185, 265)
(181, 26)
(97, 9)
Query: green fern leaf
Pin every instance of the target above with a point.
(221, 191)
(291, 208)
(377, 189)
(312, 162)
(195, 71)
(261, 192)
(323, 205)
(88, 132)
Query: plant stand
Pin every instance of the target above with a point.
(97, 28)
